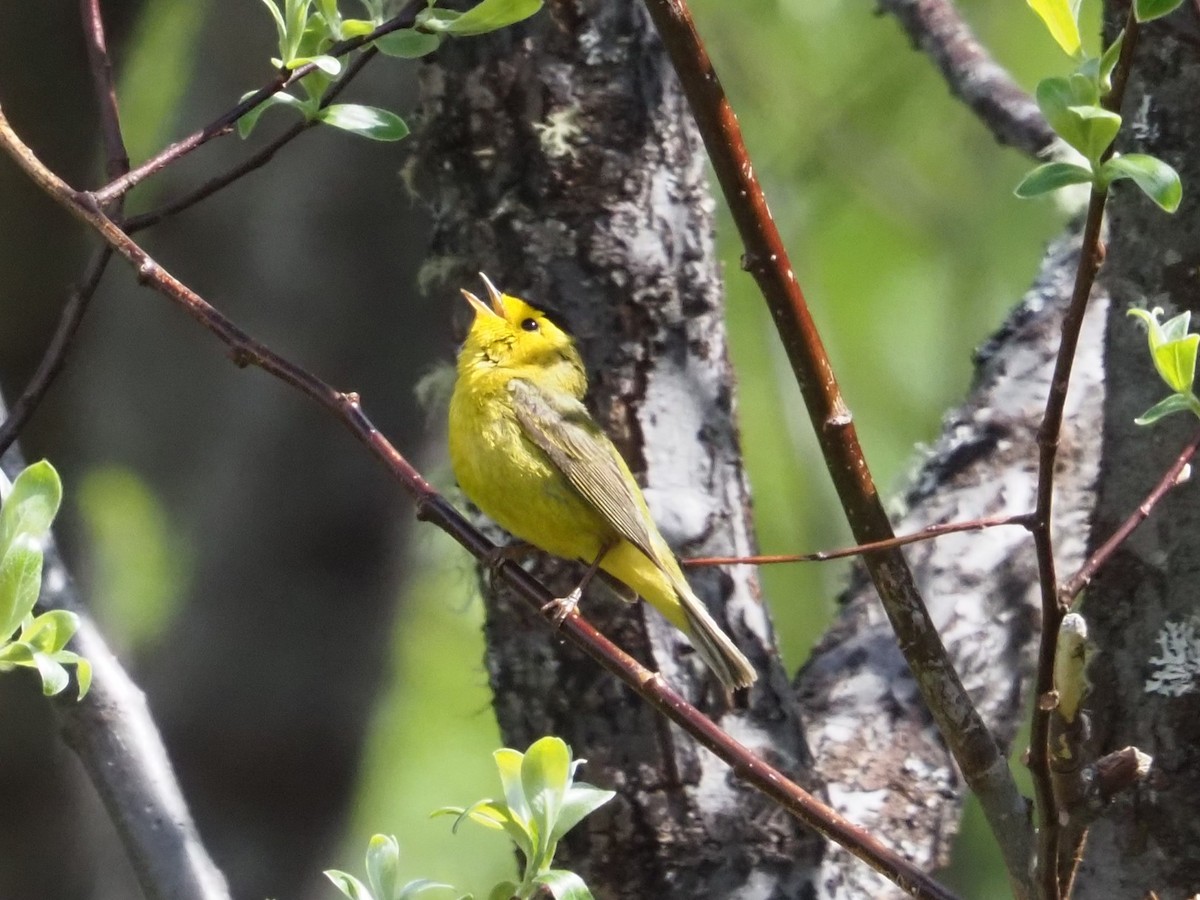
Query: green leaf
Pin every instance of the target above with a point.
(349, 885)
(20, 583)
(492, 15)
(51, 631)
(1062, 20)
(1098, 127)
(437, 21)
(15, 654)
(1108, 62)
(1173, 404)
(508, 763)
(330, 65)
(1176, 363)
(564, 885)
(366, 121)
(545, 777)
(247, 122)
(1148, 10)
(383, 863)
(352, 28)
(1058, 96)
(408, 43)
(505, 890)
(1050, 177)
(54, 677)
(1157, 180)
(83, 670)
(277, 17)
(581, 800)
(31, 505)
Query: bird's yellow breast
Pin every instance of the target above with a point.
(511, 479)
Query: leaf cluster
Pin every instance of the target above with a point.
(1173, 351)
(1073, 107)
(28, 508)
(309, 30)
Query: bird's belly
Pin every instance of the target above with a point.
(515, 484)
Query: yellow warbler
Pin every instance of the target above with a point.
(526, 451)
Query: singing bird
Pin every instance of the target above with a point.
(526, 451)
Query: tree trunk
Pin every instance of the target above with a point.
(1143, 606)
(563, 162)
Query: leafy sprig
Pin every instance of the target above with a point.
(1072, 105)
(1173, 351)
(28, 508)
(307, 31)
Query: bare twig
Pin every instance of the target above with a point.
(223, 124)
(432, 507)
(983, 765)
(1070, 589)
(927, 533)
(937, 29)
(1091, 255)
(116, 156)
(136, 223)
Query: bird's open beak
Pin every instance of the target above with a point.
(496, 309)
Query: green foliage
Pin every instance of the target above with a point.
(1173, 351)
(1148, 10)
(541, 803)
(308, 31)
(1072, 105)
(29, 507)
(383, 866)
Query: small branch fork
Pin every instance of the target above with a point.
(1091, 255)
(983, 766)
(432, 507)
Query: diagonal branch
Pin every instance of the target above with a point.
(432, 507)
(983, 765)
(936, 28)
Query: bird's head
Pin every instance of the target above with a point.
(515, 336)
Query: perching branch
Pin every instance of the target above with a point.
(936, 28)
(1091, 255)
(983, 765)
(432, 507)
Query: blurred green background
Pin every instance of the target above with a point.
(897, 207)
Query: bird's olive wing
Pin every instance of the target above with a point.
(562, 427)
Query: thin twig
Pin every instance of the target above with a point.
(1091, 255)
(983, 765)
(972, 74)
(927, 533)
(223, 124)
(434, 508)
(136, 223)
(1070, 589)
(116, 156)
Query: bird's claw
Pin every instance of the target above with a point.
(563, 606)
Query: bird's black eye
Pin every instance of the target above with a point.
(529, 324)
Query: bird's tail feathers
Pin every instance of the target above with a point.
(714, 646)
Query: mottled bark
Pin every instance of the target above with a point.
(874, 745)
(1150, 839)
(565, 165)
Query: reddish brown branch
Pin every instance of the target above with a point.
(936, 28)
(927, 533)
(1091, 255)
(434, 508)
(1077, 582)
(983, 765)
(224, 123)
(116, 156)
